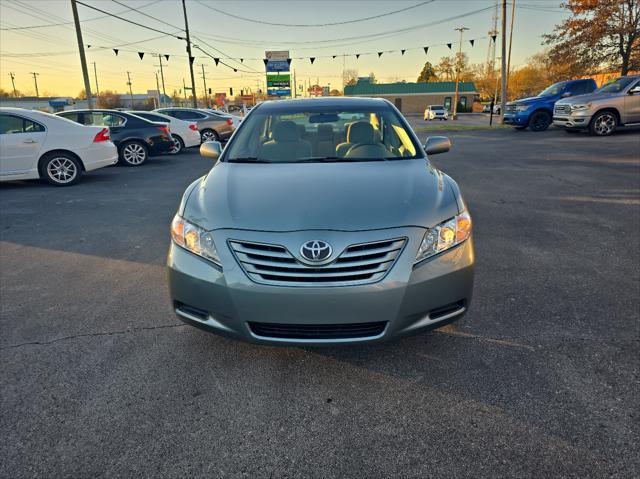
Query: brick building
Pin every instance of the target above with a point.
(414, 97)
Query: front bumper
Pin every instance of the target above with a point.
(516, 119)
(407, 300)
(577, 121)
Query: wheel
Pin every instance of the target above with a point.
(603, 123)
(178, 145)
(209, 135)
(133, 153)
(60, 169)
(540, 121)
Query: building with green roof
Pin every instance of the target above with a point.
(415, 97)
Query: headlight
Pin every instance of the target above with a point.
(193, 238)
(580, 107)
(520, 108)
(444, 236)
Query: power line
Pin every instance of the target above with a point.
(130, 21)
(345, 22)
(148, 16)
(83, 21)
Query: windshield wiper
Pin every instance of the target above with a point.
(247, 159)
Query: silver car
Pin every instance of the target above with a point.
(322, 222)
(615, 104)
(212, 127)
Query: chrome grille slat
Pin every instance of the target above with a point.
(357, 264)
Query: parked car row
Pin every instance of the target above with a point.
(60, 148)
(577, 105)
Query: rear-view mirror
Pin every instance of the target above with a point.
(324, 118)
(211, 149)
(437, 144)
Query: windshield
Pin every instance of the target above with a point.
(554, 89)
(290, 134)
(616, 86)
(436, 107)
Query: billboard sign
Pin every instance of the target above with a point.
(277, 66)
(277, 69)
(276, 55)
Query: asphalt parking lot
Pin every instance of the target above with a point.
(540, 379)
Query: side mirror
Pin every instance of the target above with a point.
(634, 90)
(211, 149)
(437, 144)
(566, 94)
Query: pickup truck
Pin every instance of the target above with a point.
(537, 112)
(615, 104)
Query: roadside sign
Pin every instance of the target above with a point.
(277, 69)
(277, 55)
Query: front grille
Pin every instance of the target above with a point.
(357, 264)
(318, 331)
(510, 108)
(562, 109)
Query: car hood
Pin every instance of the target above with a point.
(346, 196)
(586, 98)
(528, 101)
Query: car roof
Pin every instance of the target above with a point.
(328, 102)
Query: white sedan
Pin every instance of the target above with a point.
(185, 133)
(35, 145)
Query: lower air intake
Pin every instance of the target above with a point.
(318, 331)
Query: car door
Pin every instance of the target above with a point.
(21, 141)
(632, 104)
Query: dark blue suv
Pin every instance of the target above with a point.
(537, 112)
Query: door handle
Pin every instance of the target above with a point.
(29, 141)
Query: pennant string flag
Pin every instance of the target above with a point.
(471, 41)
(449, 45)
(403, 51)
(217, 60)
(357, 55)
(380, 54)
(265, 60)
(313, 59)
(115, 50)
(141, 55)
(288, 61)
(191, 60)
(426, 50)
(166, 57)
(493, 37)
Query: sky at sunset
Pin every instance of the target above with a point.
(52, 51)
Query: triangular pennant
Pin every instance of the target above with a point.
(357, 55)
(265, 60)
(471, 41)
(242, 60)
(493, 37)
(288, 61)
(88, 46)
(217, 60)
(166, 57)
(334, 56)
(380, 54)
(426, 50)
(141, 55)
(312, 59)
(191, 60)
(449, 45)
(403, 51)
(115, 50)
(235, 69)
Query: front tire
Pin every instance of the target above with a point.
(540, 121)
(60, 169)
(177, 147)
(209, 135)
(133, 153)
(603, 123)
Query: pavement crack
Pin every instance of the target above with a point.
(89, 335)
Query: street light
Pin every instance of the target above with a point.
(458, 61)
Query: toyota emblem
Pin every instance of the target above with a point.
(316, 251)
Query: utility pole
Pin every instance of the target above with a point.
(458, 62)
(130, 89)
(204, 80)
(95, 74)
(83, 59)
(13, 83)
(158, 90)
(164, 93)
(184, 90)
(193, 80)
(35, 80)
(503, 89)
(513, 14)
